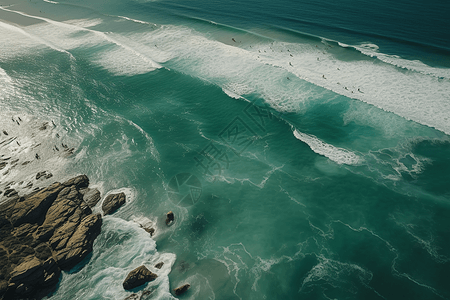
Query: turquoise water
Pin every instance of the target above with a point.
(303, 147)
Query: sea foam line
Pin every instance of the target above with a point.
(338, 155)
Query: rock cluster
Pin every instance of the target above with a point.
(42, 233)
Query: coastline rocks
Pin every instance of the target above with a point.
(182, 289)
(138, 277)
(159, 265)
(42, 233)
(112, 202)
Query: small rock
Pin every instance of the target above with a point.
(4, 132)
(147, 294)
(112, 202)
(169, 217)
(150, 230)
(10, 193)
(182, 289)
(43, 126)
(44, 174)
(138, 277)
(159, 265)
(133, 296)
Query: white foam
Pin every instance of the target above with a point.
(264, 69)
(118, 58)
(420, 93)
(338, 155)
(53, 2)
(6, 86)
(372, 50)
(85, 23)
(121, 247)
(23, 141)
(136, 21)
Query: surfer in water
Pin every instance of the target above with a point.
(233, 40)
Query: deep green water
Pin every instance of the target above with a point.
(318, 167)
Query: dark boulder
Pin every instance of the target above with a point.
(138, 277)
(169, 218)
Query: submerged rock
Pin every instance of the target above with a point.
(133, 296)
(138, 277)
(112, 202)
(182, 289)
(42, 233)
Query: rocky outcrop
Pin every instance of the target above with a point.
(112, 202)
(159, 265)
(138, 277)
(42, 233)
(182, 289)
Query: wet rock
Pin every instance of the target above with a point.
(182, 289)
(147, 294)
(44, 174)
(150, 230)
(169, 218)
(10, 193)
(159, 265)
(138, 277)
(91, 196)
(133, 296)
(112, 203)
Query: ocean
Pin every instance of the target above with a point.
(303, 146)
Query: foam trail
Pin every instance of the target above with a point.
(136, 21)
(338, 155)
